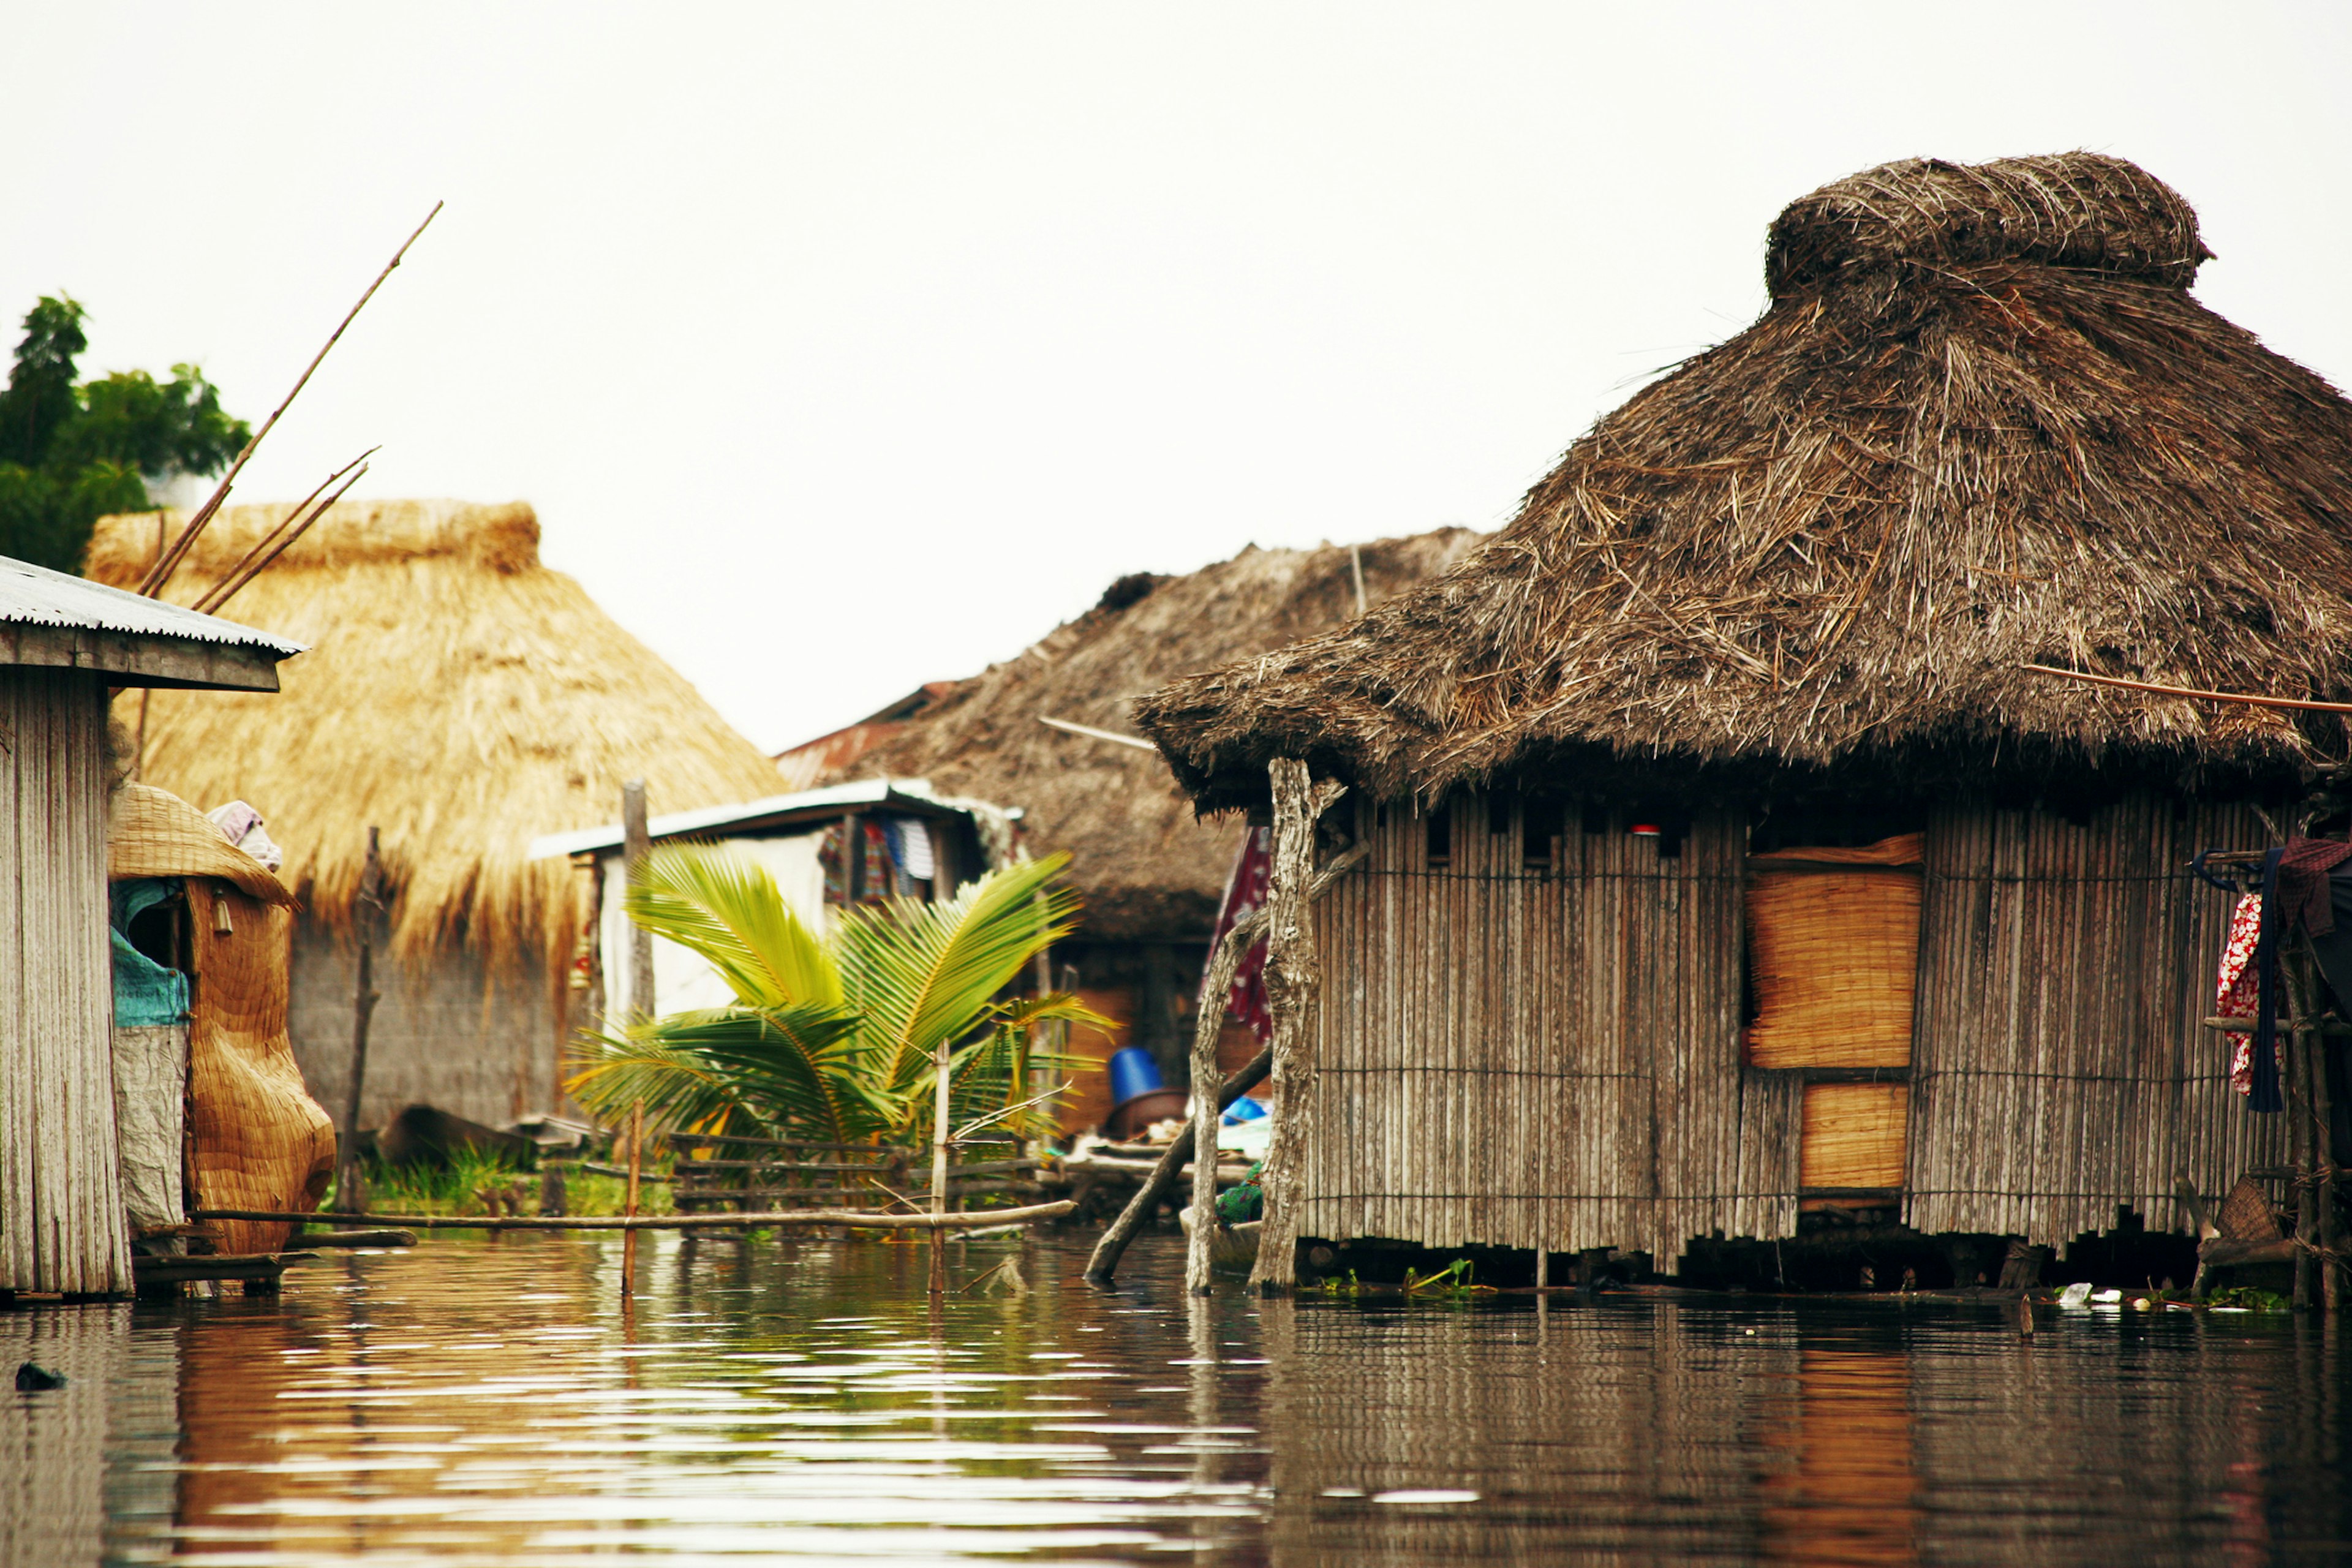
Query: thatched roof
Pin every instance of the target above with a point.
(457, 694)
(1144, 866)
(1982, 423)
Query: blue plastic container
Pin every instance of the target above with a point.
(1133, 1072)
(1242, 1110)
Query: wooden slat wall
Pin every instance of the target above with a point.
(1550, 1058)
(1542, 1059)
(62, 1224)
(2059, 1070)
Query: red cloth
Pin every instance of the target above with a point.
(2303, 897)
(1244, 896)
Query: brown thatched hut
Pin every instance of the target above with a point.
(463, 699)
(1725, 863)
(1151, 874)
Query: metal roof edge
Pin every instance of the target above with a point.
(909, 793)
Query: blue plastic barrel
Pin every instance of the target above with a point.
(1242, 1110)
(1133, 1072)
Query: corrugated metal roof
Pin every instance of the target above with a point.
(34, 596)
(908, 792)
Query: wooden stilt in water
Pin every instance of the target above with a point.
(1292, 977)
(940, 1087)
(637, 843)
(636, 1160)
(1207, 1104)
(350, 1187)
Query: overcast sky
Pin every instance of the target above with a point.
(844, 347)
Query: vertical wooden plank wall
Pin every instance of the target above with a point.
(1542, 1056)
(61, 1225)
(2059, 1070)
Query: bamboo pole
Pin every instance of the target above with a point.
(1104, 1263)
(854, 1219)
(281, 540)
(161, 572)
(636, 1163)
(348, 1183)
(1292, 978)
(940, 1088)
(1216, 989)
(637, 843)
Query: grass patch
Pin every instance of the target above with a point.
(475, 1183)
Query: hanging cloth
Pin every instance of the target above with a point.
(145, 993)
(910, 845)
(2237, 989)
(1245, 890)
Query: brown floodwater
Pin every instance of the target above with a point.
(487, 1401)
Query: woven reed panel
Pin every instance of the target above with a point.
(1854, 1134)
(61, 1225)
(2058, 1069)
(261, 1142)
(1540, 1057)
(1835, 959)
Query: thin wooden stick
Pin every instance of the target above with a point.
(234, 577)
(161, 572)
(365, 909)
(636, 1161)
(1091, 733)
(223, 594)
(855, 1219)
(940, 1088)
(2195, 693)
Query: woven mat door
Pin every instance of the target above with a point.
(1833, 958)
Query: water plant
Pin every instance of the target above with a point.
(831, 1039)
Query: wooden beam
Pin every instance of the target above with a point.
(793, 1217)
(141, 659)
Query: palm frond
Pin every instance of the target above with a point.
(724, 906)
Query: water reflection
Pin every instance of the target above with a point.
(480, 1402)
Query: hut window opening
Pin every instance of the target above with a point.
(1499, 807)
(1541, 821)
(1594, 818)
(1440, 823)
(1665, 829)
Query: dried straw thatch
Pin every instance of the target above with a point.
(1981, 424)
(1144, 867)
(458, 694)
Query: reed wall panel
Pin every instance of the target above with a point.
(1548, 1055)
(2059, 1069)
(61, 1221)
(1541, 1057)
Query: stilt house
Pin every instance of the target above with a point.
(463, 698)
(63, 644)
(1151, 875)
(1724, 864)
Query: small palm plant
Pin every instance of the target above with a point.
(832, 1040)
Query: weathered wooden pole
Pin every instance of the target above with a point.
(637, 843)
(636, 1161)
(1216, 989)
(939, 1090)
(351, 1186)
(1292, 977)
(1112, 1245)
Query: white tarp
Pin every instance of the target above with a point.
(151, 1087)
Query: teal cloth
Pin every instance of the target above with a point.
(145, 993)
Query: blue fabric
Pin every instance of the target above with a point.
(145, 993)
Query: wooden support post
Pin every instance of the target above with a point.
(1292, 978)
(1112, 1246)
(940, 1089)
(351, 1186)
(636, 1165)
(853, 862)
(1207, 1108)
(637, 843)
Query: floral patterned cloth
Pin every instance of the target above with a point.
(2237, 988)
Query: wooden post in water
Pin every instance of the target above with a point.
(637, 1161)
(1208, 1104)
(637, 843)
(351, 1186)
(1292, 977)
(940, 1087)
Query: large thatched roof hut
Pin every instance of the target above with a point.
(1779, 601)
(465, 699)
(1150, 872)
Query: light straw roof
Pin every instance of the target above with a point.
(458, 695)
(1145, 867)
(1982, 423)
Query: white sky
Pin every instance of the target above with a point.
(845, 347)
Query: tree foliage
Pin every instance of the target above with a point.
(831, 1039)
(71, 452)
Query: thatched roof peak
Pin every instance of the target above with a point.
(2067, 209)
(1982, 423)
(458, 694)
